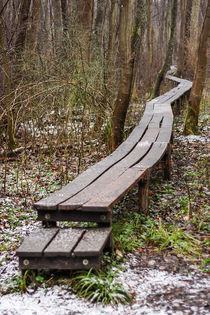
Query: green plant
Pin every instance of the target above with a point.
(98, 286)
(205, 265)
(169, 236)
(126, 232)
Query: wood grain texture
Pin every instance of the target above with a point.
(60, 263)
(75, 216)
(64, 242)
(114, 191)
(92, 242)
(36, 242)
(97, 188)
(91, 174)
(153, 157)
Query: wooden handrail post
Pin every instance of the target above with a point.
(144, 193)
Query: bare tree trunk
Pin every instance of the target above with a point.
(191, 122)
(181, 39)
(112, 31)
(31, 40)
(84, 24)
(85, 14)
(57, 22)
(149, 42)
(194, 21)
(169, 53)
(22, 24)
(66, 9)
(7, 88)
(128, 39)
(187, 36)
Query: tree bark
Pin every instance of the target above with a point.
(149, 42)
(169, 53)
(7, 88)
(31, 40)
(22, 24)
(191, 122)
(181, 39)
(128, 44)
(187, 37)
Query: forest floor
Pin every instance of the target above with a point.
(163, 257)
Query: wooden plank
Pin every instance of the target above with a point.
(111, 175)
(163, 108)
(64, 242)
(34, 244)
(90, 175)
(92, 242)
(74, 216)
(167, 120)
(150, 135)
(165, 134)
(114, 191)
(153, 157)
(60, 263)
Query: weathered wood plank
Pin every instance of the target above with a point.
(92, 242)
(150, 135)
(114, 191)
(91, 174)
(60, 263)
(111, 175)
(36, 242)
(165, 134)
(64, 242)
(74, 216)
(153, 157)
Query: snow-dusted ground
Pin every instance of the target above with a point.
(157, 292)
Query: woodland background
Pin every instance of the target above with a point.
(70, 68)
(74, 78)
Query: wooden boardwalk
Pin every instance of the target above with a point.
(92, 195)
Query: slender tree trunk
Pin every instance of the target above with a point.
(128, 39)
(187, 37)
(31, 40)
(22, 24)
(191, 122)
(194, 21)
(181, 39)
(84, 24)
(66, 9)
(169, 53)
(112, 32)
(57, 23)
(7, 88)
(149, 42)
(85, 14)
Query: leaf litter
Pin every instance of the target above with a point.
(166, 283)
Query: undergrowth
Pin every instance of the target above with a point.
(178, 221)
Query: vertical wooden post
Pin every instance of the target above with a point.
(109, 245)
(166, 163)
(144, 193)
(49, 224)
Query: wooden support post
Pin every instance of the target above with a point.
(144, 193)
(49, 224)
(172, 138)
(109, 245)
(166, 163)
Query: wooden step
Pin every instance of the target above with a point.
(64, 248)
